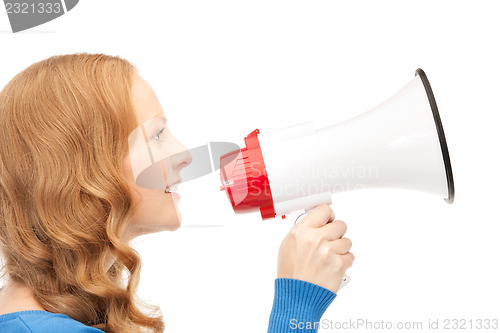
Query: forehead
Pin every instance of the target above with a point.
(146, 102)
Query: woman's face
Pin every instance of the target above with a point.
(154, 210)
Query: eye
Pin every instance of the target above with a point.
(156, 136)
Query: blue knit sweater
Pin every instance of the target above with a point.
(297, 306)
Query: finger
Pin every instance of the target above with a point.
(342, 246)
(319, 216)
(334, 230)
(349, 259)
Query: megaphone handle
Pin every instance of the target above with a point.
(299, 215)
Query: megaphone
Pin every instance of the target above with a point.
(398, 144)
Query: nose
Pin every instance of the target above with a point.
(182, 158)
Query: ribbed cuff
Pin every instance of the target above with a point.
(298, 306)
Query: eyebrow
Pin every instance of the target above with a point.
(160, 115)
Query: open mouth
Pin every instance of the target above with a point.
(172, 189)
(171, 192)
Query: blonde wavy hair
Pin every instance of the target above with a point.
(64, 200)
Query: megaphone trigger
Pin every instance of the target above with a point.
(345, 280)
(298, 215)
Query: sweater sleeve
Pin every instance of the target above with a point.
(298, 306)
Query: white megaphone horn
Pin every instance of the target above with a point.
(398, 144)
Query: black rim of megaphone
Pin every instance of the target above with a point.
(440, 131)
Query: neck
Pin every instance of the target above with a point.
(15, 297)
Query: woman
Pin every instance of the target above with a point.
(69, 206)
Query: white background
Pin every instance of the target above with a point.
(225, 68)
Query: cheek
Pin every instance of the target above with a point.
(156, 208)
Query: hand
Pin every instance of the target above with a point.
(314, 250)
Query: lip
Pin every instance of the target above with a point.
(173, 195)
(173, 184)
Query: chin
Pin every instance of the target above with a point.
(173, 227)
(174, 222)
